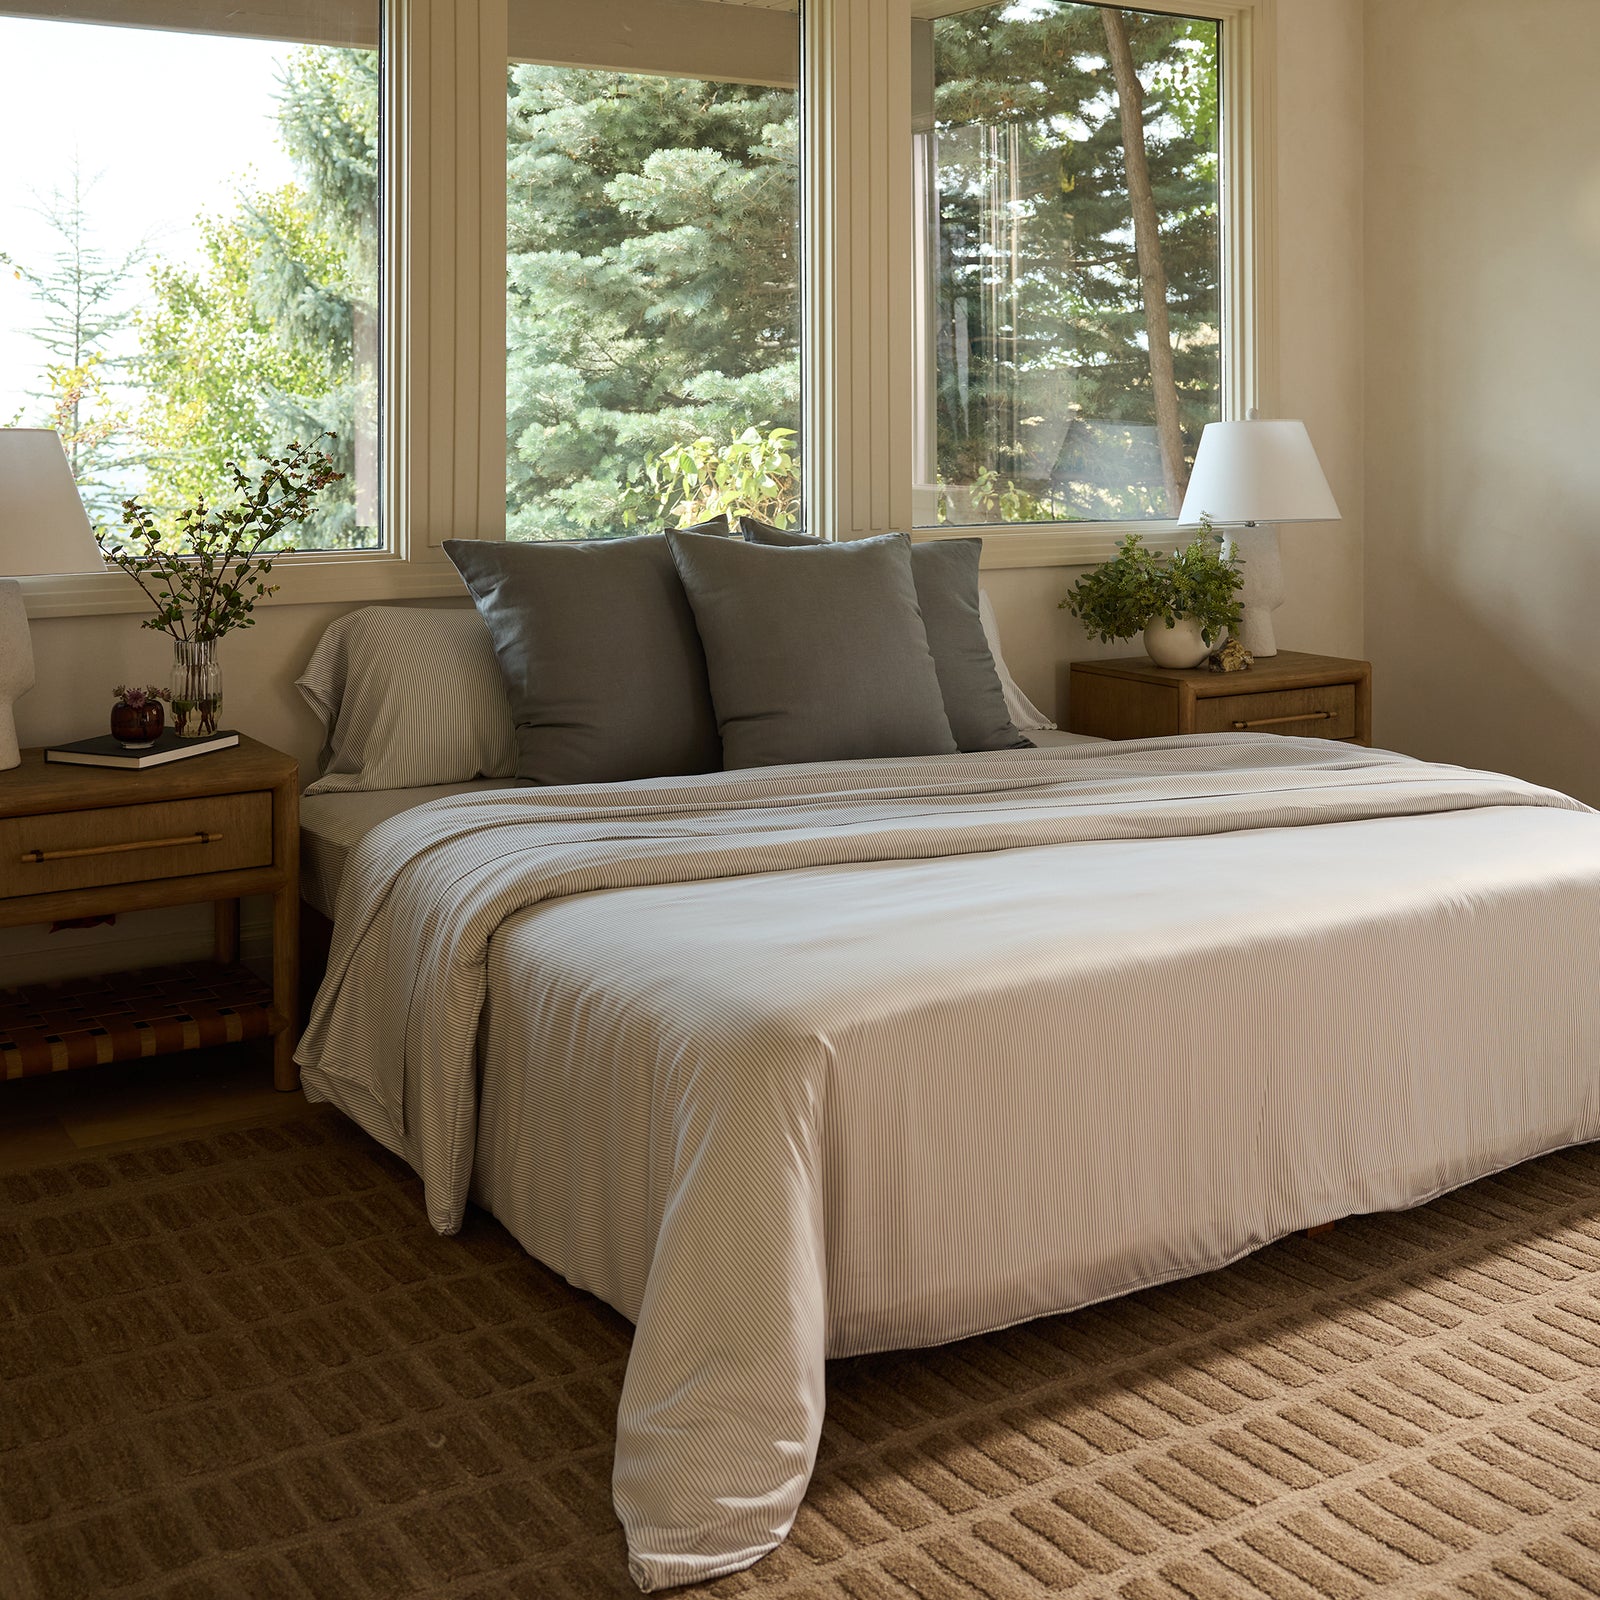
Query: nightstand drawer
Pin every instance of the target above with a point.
(1323, 711)
(125, 844)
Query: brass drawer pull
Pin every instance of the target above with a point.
(1274, 722)
(119, 849)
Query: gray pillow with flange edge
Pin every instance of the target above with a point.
(946, 575)
(600, 656)
(816, 653)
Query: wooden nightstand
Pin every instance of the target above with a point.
(1320, 697)
(85, 841)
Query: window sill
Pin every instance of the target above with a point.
(1059, 544)
(380, 576)
(302, 580)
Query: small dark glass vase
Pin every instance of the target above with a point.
(137, 726)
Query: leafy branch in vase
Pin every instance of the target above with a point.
(205, 576)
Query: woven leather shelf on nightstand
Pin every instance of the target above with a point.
(123, 1016)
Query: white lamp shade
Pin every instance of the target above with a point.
(43, 526)
(1263, 470)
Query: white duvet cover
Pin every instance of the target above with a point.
(813, 1061)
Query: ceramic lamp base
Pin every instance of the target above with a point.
(1261, 565)
(16, 666)
(1256, 632)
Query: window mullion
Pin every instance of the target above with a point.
(1250, 254)
(446, 305)
(858, 365)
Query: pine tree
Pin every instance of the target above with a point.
(652, 281)
(321, 296)
(1048, 320)
(86, 298)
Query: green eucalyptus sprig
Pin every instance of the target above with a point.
(1134, 588)
(205, 577)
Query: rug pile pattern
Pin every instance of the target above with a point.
(243, 1366)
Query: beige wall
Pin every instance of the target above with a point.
(1320, 152)
(78, 659)
(1483, 383)
(1319, 295)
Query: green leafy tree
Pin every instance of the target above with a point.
(1039, 306)
(652, 285)
(755, 474)
(213, 362)
(81, 408)
(257, 345)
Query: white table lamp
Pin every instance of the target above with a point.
(1250, 476)
(43, 530)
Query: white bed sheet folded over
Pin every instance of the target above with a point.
(824, 1060)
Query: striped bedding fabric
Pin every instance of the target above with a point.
(819, 1060)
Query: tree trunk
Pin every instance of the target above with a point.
(1147, 243)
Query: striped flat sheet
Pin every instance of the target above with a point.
(812, 1061)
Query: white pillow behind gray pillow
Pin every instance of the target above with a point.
(1022, 711)
(408, 697)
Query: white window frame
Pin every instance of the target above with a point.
(442, 416)
(861, 357)
(444, 198)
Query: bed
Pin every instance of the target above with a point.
(816, 1060)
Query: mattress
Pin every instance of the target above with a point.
(330, 824)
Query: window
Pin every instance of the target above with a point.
(590, 320)
(1068, 260)
(191, 251)
(653, 283)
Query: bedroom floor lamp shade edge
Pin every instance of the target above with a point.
(44, 530)
(1248, 477)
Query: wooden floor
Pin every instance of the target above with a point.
(98, 1110)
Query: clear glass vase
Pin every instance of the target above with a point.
(196, 689)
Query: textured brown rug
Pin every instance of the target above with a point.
(242, 1365)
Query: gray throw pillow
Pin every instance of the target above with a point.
(600, 657)
(946, 574)
(814, 654)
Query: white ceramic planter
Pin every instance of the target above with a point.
(1177, 646)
